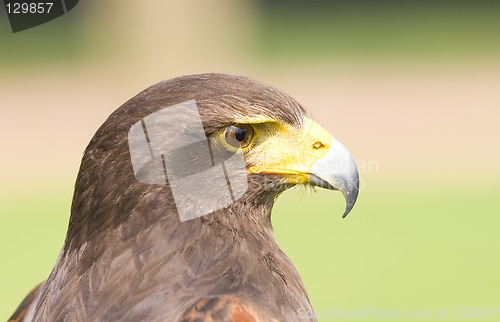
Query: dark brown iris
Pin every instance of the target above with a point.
(239, 135)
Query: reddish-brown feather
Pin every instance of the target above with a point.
(220, 309)
(25, 305)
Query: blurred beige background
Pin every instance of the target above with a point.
(412, 90)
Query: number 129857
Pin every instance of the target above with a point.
(29, 7)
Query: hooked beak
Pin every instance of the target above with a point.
(337, 171)
(308, 155)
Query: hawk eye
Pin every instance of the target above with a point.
(239, 135)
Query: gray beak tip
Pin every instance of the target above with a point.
(338, 171)
(351, 192)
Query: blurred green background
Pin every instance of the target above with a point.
(412, 88)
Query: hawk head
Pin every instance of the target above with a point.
(128, 254)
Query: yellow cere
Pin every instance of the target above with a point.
(286, 150)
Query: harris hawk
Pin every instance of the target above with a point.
(129, 256)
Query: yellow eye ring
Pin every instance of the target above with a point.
(238, 135)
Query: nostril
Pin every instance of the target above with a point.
(318, 145)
